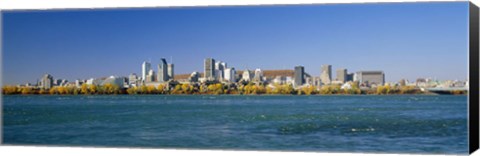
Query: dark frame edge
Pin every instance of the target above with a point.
(474, 65)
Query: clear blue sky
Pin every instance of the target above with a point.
(405, 40)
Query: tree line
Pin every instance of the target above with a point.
(213, 89)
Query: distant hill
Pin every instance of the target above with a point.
(266, 73)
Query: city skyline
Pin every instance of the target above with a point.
(356, 38)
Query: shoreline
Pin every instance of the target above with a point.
(426, 94)
(221, 89)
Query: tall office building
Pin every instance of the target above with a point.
(47, 81)
(224, 64)
(209, 68)
(219, 70)
(162, 75)
(171, 75)
(150, 76)
(342, 75)
(326, 74)
(218, 75)
(146, 66)
(299, 75)
(230, 74)
(220, 65)
(350, 77)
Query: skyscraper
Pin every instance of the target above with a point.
(350, 76)
(150, 76)
(209, 67)
(146, 66)
(299, 76)
(342, 75)
(219, 70)
(219, 65)
(170, 72)
(230, 74)
(224, 64)
(326, 74)
(218, 74)
(162, 71)
(47, 81)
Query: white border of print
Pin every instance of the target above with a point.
(90, 4)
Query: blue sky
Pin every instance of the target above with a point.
(405, 40)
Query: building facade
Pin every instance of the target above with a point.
(194, 77)
(220, 66)
(230, 75)
(258, 75)
(350, 77)
(118, 81)
(209, 68)
(162, 75)
(326, 74)
(47, 81)
(342, 75)
(299, 76)
(370, 77)
(280, 80)
(150, 76)
(146, 66)
(247, 75)
(170, 71)
(133, 79)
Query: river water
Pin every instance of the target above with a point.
(362, 123)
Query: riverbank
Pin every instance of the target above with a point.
(219, 89)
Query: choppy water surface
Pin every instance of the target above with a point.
(377, 124)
